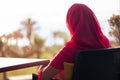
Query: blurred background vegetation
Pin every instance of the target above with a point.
(35, 49)
(114, 23)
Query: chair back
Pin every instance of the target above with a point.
(98, 64)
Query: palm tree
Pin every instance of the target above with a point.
(29, 27)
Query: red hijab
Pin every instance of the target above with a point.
(85, 34)
(84, 28)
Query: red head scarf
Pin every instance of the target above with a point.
(84, 28)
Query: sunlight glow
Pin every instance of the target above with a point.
(49, 14)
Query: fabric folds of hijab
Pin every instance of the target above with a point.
(84, 28)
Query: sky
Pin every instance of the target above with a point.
(50, 15)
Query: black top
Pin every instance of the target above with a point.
(98, 64)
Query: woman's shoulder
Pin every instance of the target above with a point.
(68, 49)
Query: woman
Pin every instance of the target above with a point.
(85, 34)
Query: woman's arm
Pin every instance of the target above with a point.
(49, 72)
